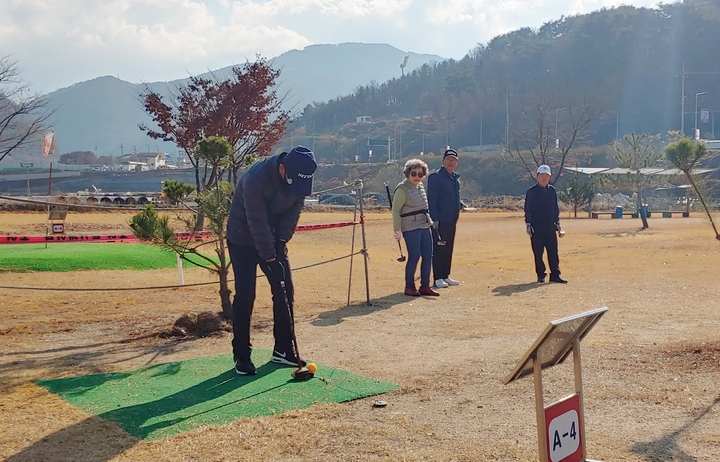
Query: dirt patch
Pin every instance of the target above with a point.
(649, 373)
(693, 356)
(198, 325)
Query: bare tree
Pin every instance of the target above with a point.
(542, 146)
(22, 113)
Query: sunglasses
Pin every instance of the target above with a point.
(417, 174)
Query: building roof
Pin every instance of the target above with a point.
(642, 171)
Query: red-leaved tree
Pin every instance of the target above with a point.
(244, 110)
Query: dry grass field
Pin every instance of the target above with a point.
(651, 366)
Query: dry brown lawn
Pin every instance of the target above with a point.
(651, 366)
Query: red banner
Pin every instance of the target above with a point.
(48, 146)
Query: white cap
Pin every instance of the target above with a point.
(544, 169)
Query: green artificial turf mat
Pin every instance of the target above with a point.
(85, 256)
(162, 400)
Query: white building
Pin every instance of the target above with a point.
(133, 166)
(154, 160)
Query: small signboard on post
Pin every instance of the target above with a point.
(56, 219)
(560, 426)
(562, 420)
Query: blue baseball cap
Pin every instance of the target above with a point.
(300, 166)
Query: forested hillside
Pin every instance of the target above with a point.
(616, 70)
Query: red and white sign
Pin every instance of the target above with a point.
(58, 228)
(564, 438)
(48, 146)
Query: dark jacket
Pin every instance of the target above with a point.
(443, 192)
(541, 206)
(263, 209)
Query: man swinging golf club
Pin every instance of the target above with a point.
(263, 215)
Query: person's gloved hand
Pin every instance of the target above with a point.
(275, 270)
(281, 250)
(397, 235)
(529, 229)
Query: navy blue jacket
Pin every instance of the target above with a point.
(443, 193)
(541, 207)
(263, 209)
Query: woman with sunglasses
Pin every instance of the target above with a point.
(411, 220)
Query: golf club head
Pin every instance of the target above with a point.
(401, 258)
(302, 373)
(441, 243)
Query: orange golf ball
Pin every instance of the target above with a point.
(312, 367)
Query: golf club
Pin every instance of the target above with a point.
(302, 372)
(401, 258)
(436, 232)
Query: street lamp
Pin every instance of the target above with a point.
(28, 166)
(557, 140)
(697, 137)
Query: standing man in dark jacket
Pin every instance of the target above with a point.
(265, 210)
(443, 194)
(542, 221)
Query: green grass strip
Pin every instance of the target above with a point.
(162, 400)
(87, 257)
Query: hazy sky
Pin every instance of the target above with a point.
(60, 42)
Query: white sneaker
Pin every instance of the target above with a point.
(451, 282)
(440, 283)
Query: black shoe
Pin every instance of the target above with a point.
(541, 279)
(558, 280)
(244, 367)
(286, 358)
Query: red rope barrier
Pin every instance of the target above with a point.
(326, 225)
(62, 238)
(130, 238)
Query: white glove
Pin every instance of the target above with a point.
(397, 235)
(529, 229)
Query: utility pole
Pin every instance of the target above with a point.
(481, 128)
(507, 121)
(682, 102)
(447, 133)
(617, 126)
(557, 140)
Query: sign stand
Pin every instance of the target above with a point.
(561, 425)
(56, 219)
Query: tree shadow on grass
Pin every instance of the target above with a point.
(102, 438)
(92, 440)
(17, 367)
(511, 289)
(666, 448)
(335, 317)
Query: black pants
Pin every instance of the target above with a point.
(545, 238)
(442, 254)
(245, 261)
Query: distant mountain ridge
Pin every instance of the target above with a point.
(102, 114)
